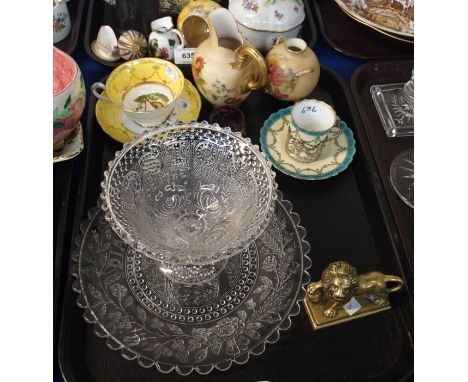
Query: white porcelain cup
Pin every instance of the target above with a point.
(61, 21)
(313, 120)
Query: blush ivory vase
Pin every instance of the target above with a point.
(293, 70)
(225, 67)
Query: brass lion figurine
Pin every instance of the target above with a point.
(340, 282)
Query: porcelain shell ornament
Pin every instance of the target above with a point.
(132, 45)
(105, 45)
(263, 21)
(293, 70)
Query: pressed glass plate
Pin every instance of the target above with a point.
(172, 326)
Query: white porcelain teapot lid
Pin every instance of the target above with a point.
(268, 15)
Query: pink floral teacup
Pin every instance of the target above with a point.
(69, 96)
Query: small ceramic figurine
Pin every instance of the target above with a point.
(293, 70)
(164, 39)
(132, 45)
(61, 21)
(69, 96)
(226, 68)
(105, 45)
(263, 21)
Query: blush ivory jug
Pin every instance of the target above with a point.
(225, 67)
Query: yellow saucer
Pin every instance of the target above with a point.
(118, 126)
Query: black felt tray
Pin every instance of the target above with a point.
(354, 39)
(346, 217)
(101, 13)
(385, 149)
(68, 44)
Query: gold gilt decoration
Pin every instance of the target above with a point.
(342, 295)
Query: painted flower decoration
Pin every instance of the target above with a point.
(275, 75)
(171, 73)
(77, 108)
(250, 5)
(278, 15)
(59, 21)
(197, 67)
(184, 103)
(164, 53)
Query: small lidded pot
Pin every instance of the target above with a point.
(164, 39)
(293, 70)
(69, 96)
(263, 21)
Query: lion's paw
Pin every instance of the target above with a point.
(330, 312)
(379, 300)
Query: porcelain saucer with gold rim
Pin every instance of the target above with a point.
(120, 127)
(336, 155)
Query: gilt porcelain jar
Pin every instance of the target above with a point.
(263, 21)
(293, 70)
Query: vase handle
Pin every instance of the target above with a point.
(181, 38)
(244, 55)
(97, 88)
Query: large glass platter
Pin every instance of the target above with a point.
(186, 328)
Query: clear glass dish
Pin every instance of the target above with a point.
(198, 328)
(402, 176)
(189, 194)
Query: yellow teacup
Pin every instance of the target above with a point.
(145, 89)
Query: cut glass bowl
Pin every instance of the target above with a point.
(189, 193)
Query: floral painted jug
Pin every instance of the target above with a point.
(225, 67)
(164, 39)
